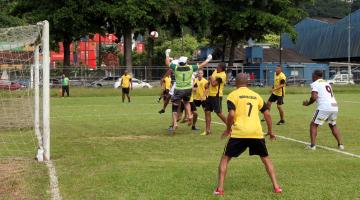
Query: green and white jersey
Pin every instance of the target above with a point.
(183, 75)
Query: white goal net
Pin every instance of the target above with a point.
(24, 92)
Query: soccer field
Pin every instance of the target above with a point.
(105, 149)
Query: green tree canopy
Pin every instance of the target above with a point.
(69, 20)
(238, 20)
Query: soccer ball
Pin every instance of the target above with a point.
(154, 34)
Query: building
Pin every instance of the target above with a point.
(326, 40)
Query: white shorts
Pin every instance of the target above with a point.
(320, 116)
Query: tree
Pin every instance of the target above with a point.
(239, 20)
(69, 20)
(6, 19)
(329, 8)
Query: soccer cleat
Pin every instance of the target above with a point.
(281, 122)
(310, 147)
(194, 128)
(278, 190)
(218, 192)
(161, 111)
(205, 133)
(341, 147)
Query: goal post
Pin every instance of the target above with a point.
(24, 119)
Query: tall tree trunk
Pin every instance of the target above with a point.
(128, 49)
(150, 51)
(232, 52)
(66, 45)
(224, 50)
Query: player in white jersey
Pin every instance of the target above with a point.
(322, 93)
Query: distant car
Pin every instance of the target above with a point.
(107, 81)
(9, 85)
(295, 80)
(342, 79)
(251, 83)
(136, 83)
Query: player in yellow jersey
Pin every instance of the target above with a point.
(278, 93)
(214, 100)
(193, 108)
(166, 86)
(126, 85)
(201, 85)
(245, 131)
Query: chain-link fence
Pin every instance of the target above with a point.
(86, 77)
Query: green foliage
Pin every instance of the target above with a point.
(6, 19)
(187, 47)
(329, 8)
(273, 39)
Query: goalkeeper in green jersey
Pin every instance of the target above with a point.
(183, 80)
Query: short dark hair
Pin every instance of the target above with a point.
(318, 73)
(222, 65)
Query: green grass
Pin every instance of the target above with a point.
(104, 149)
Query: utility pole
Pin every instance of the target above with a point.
(349, 38)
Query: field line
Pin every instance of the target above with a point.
(352, 101)
(54, 184)
(302, 142)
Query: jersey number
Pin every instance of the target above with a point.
(183, 77)
(250, 108)
(328, 88)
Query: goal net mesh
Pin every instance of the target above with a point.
(17, 131)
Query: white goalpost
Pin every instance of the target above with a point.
(24, 93)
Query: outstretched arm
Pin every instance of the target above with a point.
(167, 59)
(203, 64)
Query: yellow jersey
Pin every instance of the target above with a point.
(247, 105)
(278, 80)
(125, 79)
(214, 90)
(167, 83)
(201, 87)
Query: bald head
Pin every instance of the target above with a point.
(241, 80)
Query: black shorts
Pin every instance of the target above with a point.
(125, 90)
(213, 104)
(165, 92)
(236, 146)
(181, 95)
(193, 106)
(279, 99)
(199, 103)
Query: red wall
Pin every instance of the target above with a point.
(87, 51)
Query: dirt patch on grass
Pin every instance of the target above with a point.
(124, 137)
(12, 183)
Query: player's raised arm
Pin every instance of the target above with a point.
(203, 64)
(167, 59)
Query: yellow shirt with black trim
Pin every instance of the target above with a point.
(218, 88)
(126, 79)
(278, 80)
(167, 83)
(200, 85)
(247, 105)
